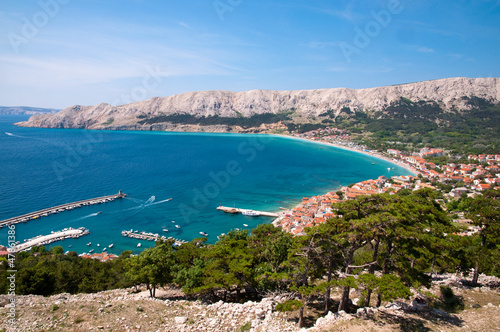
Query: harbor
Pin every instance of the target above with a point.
(151, 237)
(60, 208)
(248, 212)
(67, 233)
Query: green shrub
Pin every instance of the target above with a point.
(450, 301)
(246, 327)
(289, 305)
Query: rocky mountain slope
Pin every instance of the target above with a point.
(126, 310)
(182, 112)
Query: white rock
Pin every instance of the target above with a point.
(180, 320)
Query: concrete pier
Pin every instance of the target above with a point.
(41, 240)
(60, 208)
(150, 237)
(258, 213)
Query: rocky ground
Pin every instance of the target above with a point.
(125, 310)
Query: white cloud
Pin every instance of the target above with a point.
(424, 49)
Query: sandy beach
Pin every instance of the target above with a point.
(412, 170)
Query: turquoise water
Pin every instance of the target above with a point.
(42, 168)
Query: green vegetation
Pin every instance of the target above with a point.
(407, 125)
(290, 305)
(383, 245)
(254, 121)
(246, 327)
(107, 123)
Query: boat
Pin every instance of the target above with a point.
(70, 246)
(98, 245)
(111, 245)
(88, 244)
(388, 168)
(138, 245)
(204, 233)
(245, 225)
(173, 221)
(9, 134)
(104, 249)
(177, 226)
(91, 251)
(250, 213)
(99, 212)
(165, 229)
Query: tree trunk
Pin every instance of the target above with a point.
(238, 295)
(345, 290)
(432, 267)
(385, 270)
(154, 291)
(371, 270)
(475, 277)
(329, 278)
(301, 317)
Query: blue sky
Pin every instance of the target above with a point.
(57, 53)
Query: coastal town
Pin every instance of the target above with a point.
(454, 180)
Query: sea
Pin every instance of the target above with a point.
(170, 179)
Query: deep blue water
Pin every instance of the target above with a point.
(41, 168)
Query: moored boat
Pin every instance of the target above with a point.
(250, 213)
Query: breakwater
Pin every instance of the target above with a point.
(151, 237)
(41, 240)
(60, 208)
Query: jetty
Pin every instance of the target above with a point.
(61, 208)
(151, 237)
(67, 233)
(236, 210)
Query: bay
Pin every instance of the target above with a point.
(42, 168)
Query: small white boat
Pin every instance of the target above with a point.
(139, 245)
(98, 245)
(165, 229)
(111, 245)
(88, 244)
(204, 233)
(9, 134)
(104, 249)
(245, 225)
(173, 221)
(91, 251)
(177, 226)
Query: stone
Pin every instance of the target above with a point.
(180, 320)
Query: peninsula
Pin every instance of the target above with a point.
(266, 111)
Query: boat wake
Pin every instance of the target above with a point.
(88, 216)
(144, 204)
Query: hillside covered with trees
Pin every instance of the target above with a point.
(380, 245)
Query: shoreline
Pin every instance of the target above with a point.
(343, 147)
